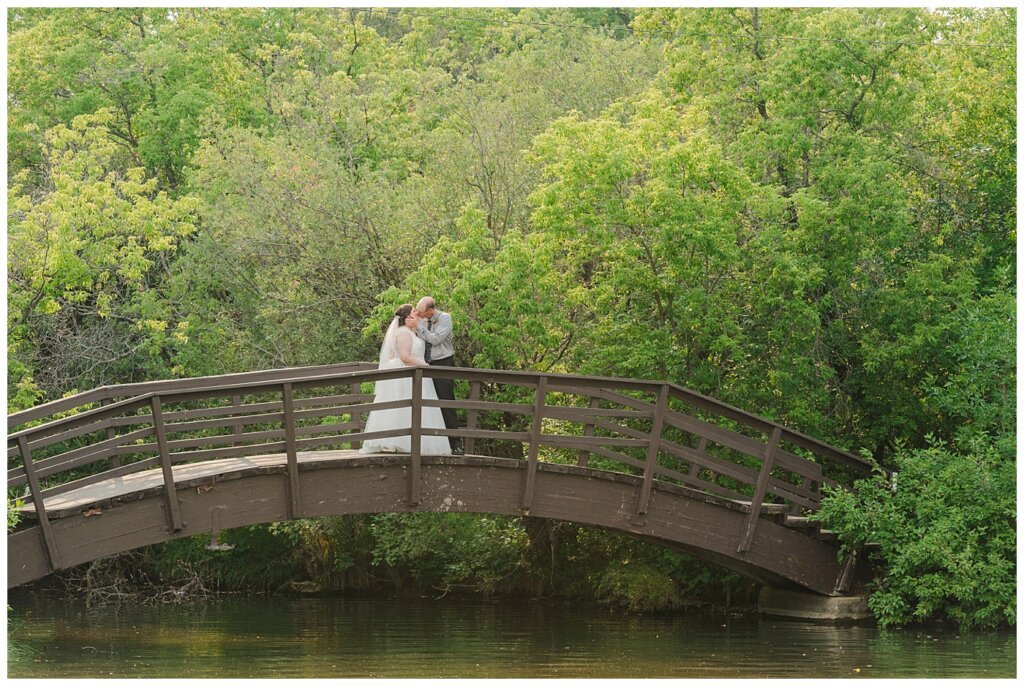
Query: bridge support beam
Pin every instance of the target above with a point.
(801, 605)
(221, 495)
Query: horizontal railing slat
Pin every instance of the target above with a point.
(734, 471)
(234, 451)
(588, 442)
(698, 483)
(86, 454)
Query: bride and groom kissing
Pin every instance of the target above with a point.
(420, 335)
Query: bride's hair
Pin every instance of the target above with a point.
(403, 312)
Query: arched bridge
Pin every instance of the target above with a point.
(125, 466)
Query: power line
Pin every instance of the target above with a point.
(697, 34)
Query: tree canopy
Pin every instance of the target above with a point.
(809, 213)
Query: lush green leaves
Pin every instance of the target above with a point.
(806, 212)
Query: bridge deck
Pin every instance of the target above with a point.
(184, 475)
(196, 474)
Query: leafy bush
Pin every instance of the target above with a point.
(639, 588)
(443, 551)
(945, 529)
(945, 524)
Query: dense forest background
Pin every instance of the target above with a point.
(807, 213)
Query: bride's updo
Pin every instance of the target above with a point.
(403, 312)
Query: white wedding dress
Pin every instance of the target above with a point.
(401, 389)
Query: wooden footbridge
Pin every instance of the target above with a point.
(121, 467)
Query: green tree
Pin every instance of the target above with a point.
(83, 252)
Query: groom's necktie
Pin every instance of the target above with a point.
(426, 348)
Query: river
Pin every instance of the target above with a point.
(257, 636)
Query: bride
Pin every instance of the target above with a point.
(402, 348)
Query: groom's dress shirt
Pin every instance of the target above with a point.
(438, 335)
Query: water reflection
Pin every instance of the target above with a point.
(335, 637)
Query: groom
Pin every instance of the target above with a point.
(435, 328)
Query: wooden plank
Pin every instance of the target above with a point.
(601, 451)
(52, 553)
(170, 492)
(147, 387)
(355, 395)
(485, 406)
(39, 444)
(358, 418)
(109, 475)
(87, 417)
(586, 414)
(115, 459)
(701, 484)
(782, 487)
(618, 428)
(646, 409)
(702, 443)
(471, 414)
(86, 454)
(181, 444)
(291, 453)
(53, 407)
(750, 525)
(723, 437)
(416, 437)
(335, 427)
(496, 434)
(530, 476)
(714, 464)
(584, 441)
(328, 411)
(230, 451)
(588, 431)
(236, 403)
(243, 410)
(652, 452)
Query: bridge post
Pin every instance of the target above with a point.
(588, 431)
(170, 492)
(760, 489)
(115, 459)
(236, 402)
(416, 429)
(652, 451)
(52, 554)
(531, 458)
(291, 453)
(474, 395)
(357, 389)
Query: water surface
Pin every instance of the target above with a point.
(339, 637)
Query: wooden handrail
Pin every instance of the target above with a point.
(268, 378)
(143, 387)
(622, 419)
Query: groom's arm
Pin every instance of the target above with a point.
(442, 329)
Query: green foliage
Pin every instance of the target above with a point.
(83, 251)
(442, 551)
(945, 535)
(945, 524)
(819, 229)
(640, 588)
(259, 561)
(13, 516)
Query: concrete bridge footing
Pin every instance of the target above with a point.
(801, 605)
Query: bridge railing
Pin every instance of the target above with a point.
(657, 431)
